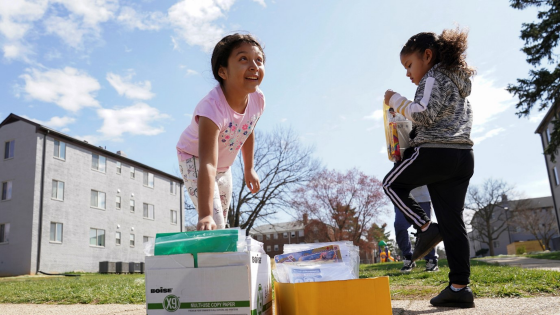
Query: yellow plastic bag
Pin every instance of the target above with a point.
(396, 134)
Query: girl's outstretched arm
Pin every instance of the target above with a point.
(208, 154)
(251, 177)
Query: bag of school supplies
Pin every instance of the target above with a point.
(397, 130)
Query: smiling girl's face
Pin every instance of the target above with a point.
(417, 64)
(245, 69)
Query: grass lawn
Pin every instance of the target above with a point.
(487, 281)
(550, 255)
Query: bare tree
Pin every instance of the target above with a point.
(283, 163)
(487, 203)
(536, 222)
(347, 203)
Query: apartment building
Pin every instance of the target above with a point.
(542, 207)
(66, 204)
(275, 236)
(545, 129)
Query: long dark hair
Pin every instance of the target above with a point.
(224, 47)
(449, 48)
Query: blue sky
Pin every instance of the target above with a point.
(128, 74)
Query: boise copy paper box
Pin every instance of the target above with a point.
(224, 283)
(359, 296)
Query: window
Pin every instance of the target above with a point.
(7, 190)
(57, 190)
(285, 234)
(9, 149)
(301, 233)
(96, 237)
(118, 238)
(268, 248)
(556, 176)
(148, 179)
(132, 172)
(268, 237)
(148, 211)
(548, 135)
(148, 239)
(496, 244)
(259, 237)
(275, 236)
(59, 150)
(118, 202)
(98, 162)
(132, 240)
(97, 199)
(173, 217)
(293, 234)
(4, 232)
(119, 167)
(172, 188)
(56, 232)
(131, 205)
(275, 248)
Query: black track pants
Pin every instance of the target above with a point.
(446, 172)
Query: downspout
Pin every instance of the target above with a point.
(181, 207)
(41, 202)
(551, 186)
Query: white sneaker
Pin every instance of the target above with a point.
(431, 265)
(407, 266)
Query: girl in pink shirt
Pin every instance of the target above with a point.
(223, 124)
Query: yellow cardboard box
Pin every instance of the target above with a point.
(356, 297)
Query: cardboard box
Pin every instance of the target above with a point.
(360, 296)
(224, 283)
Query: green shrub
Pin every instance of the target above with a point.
(481, 252)
(520, 250)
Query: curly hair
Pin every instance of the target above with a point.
(449, 48)
(225, 46)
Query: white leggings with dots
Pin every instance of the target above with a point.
(222, 189)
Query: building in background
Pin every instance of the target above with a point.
(542, 207)
(552, 168)
(66, 205)
(275, 236)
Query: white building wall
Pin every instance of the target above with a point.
(17, 254)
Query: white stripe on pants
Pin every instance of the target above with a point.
(222, 189)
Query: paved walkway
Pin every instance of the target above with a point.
(532, 306)
(524, 262)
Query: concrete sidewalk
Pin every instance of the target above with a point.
(533, 306)
(524, 262)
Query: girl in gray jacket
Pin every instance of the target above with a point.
(440, 155)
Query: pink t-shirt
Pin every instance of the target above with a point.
(234, 127)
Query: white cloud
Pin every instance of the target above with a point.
(142, 21)
(191, 72)
(55, 122)
(538, 118)
(376, 115)
(69, 88)
(17, 16)
(489, 134)
(68, 29)
(138, 90)
(17, 50)
(92, 12)
(283, 120)
(135, 120)
(261, 2)
(383, 150)
(82, 21)
(194, 21)
(175, 43)
(488, 100)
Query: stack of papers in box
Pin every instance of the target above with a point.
(317, 262)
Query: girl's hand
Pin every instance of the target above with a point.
(206, 223)
(252, 180)
(388, 95)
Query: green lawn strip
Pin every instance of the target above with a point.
(86, 289)
(487, 280)
(550, 255)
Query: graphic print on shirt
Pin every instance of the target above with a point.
(235, 134)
